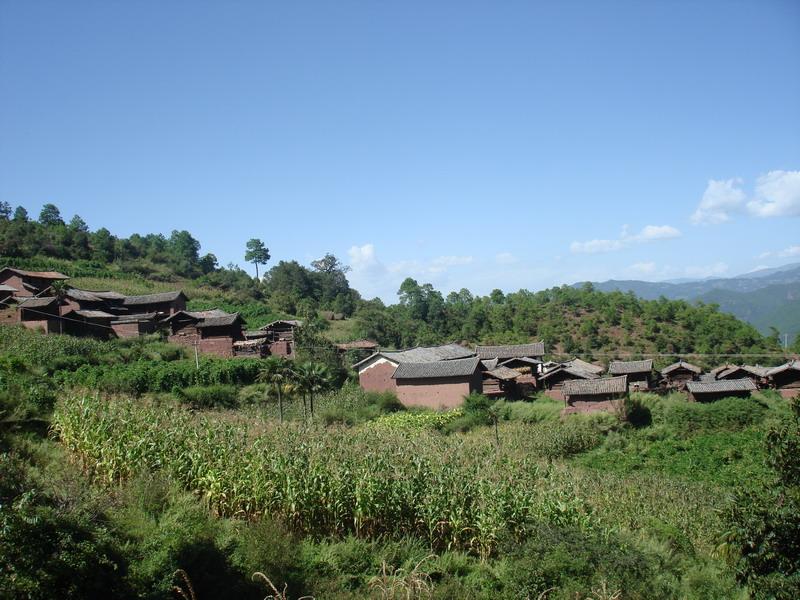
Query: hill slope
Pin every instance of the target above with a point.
(765, 298)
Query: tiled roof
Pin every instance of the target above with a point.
(737, 371)
(511, 351)
(92, 314)
(591, 387)
(152, 298)
(93, 296)
(428, 354)
(720, 386)
(490, 363)
(7, 288)
(622, 367)
(681, 365)
(580, 373)
(135, 318)
(530, 361)
(440, 368)
(577, 363)
(37, 274)
(791, 365)
(36, 302)
(220, 321)
(292, 322)
(358, 345)
(503, 373)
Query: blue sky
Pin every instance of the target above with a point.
(466, 144)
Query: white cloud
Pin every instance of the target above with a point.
(373, 278)
(649, 233)
(656, 232)
(777, 194)
(720, 200)
(785, 253)
(363, 259)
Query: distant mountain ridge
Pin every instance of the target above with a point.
(765, 298)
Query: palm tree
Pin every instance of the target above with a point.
(276, 373)
(311, 378)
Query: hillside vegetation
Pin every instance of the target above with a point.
(371, 500)
(570, 321)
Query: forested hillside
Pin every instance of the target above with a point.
(569, 320)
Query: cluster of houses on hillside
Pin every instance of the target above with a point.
(436, 377)
(440, 377)
(31, 299)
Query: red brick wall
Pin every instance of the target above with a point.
(790, 393)
(282, 348)
(126, 330)
(378, 378)
(15, 281)
(434, 393)
(218, 346)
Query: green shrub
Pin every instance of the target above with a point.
(727, 414)
(537, 411)
(210, 396)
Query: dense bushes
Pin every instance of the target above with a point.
(209, 396)
(728, 413)
(763, 540)
(147, 376)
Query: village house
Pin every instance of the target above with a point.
(534, 352)
(589, 395)
(164, 303)
(756, 373)
(638, 372)
(210, 332)
(501, 381)
(77, 299)
(677, 374)
(786, 379)
(279, 335)
(441, 384)
(87, 323)
(38, 313)
(554, 379)
(135, 325)
(708, 391)
(375, 372)
(26, 284)
(577, 363)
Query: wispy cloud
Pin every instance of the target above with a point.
(649, 233)
(372, 277)
(785, 253)
(777, 194)
(721, 199)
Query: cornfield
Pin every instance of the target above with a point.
(456, 492)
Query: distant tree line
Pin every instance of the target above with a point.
(573, 320)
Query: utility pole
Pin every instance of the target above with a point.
(196, 358)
